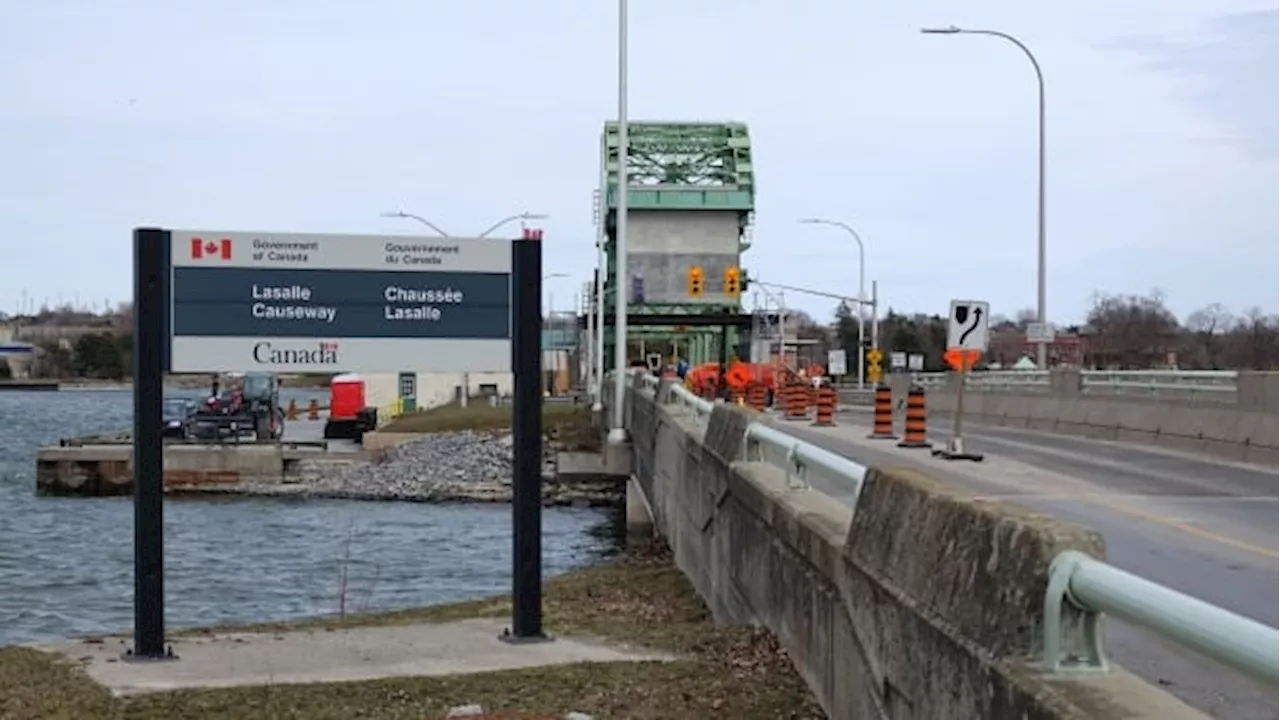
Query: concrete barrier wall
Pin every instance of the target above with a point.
(1244, 431)
(107, 470)
(918, 603)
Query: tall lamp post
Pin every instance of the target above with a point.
(862, 288)
(618, 432)
(417, 218)
(551, 325)
(512, 218)
(466, 376)
(1042, 349)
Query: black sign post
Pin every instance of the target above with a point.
(361, 304)
(150, 338)
(526, 425)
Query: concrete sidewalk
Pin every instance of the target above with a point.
(331, 655)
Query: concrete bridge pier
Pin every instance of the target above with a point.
(639, 514)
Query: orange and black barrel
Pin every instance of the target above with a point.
(914, 428)
(797, 402)
(882, 414)
(825, 410)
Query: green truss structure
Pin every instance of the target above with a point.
(677, 166)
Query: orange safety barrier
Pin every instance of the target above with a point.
(738, 376)
(825, 415)
(757, 396)
(882, 414)
(313, 410)
(292, 412)
(913, 431)
(796, 402)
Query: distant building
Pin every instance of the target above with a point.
(1007, 345)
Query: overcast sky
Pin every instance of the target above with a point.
(315, 116)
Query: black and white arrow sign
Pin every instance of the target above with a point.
(968, 327)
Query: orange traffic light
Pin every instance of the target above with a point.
(732, 284)
(695, 281)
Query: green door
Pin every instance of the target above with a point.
(409, 391)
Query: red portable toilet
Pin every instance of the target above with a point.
(346, 404)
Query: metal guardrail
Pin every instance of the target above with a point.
(1087, 584)
(796, 458)
(1095, 587)
(1117, 382)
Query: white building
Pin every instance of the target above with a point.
(428, 390)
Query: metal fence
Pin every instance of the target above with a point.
(1215, 384)
(1087, 584)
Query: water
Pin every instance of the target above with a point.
(66, 564)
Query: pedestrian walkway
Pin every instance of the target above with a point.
(332, 655)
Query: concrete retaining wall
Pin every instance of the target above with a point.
(918, 603)
(106, 470)
(1243, 431)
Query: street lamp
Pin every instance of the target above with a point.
(551, 301)
(555, 334)
(512, 218)
(419, 218)
(1042, 349)
(862, 286)
(618, 431)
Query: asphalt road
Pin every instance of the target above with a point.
(1203, 527)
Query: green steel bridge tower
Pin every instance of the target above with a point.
(691, 199)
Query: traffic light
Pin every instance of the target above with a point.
(695, 281)
(732, 286)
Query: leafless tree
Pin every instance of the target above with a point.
(1207, 336)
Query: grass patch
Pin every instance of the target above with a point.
(566, 422)
(727, 672)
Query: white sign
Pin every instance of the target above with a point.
(403, 253)
(366, 355)
(1038, 333)
(915, 362)
(897, 360)
(968, 327)
(836, 363)
(338, 303)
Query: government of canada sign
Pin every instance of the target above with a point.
(328, 303)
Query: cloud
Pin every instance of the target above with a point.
(1229, 73)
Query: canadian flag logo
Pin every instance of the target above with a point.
(216, 250)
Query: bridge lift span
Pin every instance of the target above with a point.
(691, 195)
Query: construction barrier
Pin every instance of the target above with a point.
(882, 414)
(757, 396)
(292, 412)
(796, 402)
(914, 429)
(825, 413)
(313, 410)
